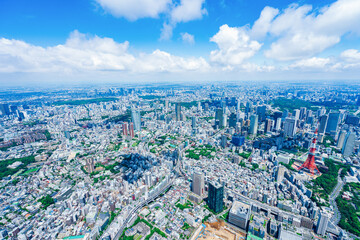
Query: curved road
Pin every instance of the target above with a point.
(335, 193)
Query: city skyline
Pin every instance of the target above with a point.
(119, 41)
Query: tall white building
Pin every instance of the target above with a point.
(290, 127)
(322, 223)
(198, 183)
(349, 145)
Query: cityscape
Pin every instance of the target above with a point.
(179, 120)
(234, 161)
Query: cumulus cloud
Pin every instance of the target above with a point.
(86, 53)
(187, 38)
(135, 9)
(351, 55)
(174, 11)
(312, 63)
(234, 46)
(302, 32)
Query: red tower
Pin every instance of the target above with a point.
(310, 161)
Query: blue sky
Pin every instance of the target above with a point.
(126, 40)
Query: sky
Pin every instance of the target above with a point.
(44, 41)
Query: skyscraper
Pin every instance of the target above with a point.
(131, 130)
(302, 112)
(280, 173)
(136, 118)
(253, 124)
(178, 111)
(232, 120)
(296, 114)
(220, 117)
(223, 141)
(349, 145)
(193, 122)
(198, 183)
(290, 127)
(4, 108)
(268, 124)
(341, 139)
(332, 123)
(261, 112)
(323, 123)
(216, 197)
(125, 129)
(322, 223)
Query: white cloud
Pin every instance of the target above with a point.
(166, 31)
(135, 9)
(351, 55)
(187, 38)
(82, 53)
(188, 10)
(302, 32)
(311, 63)
(234, 46)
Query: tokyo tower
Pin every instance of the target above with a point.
(310, 161)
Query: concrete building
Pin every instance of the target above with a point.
(290, 127)
(239, 214)
(198, 186)
(322, 223)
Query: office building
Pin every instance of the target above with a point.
(239, 214)
(4, 109)
(290, 127)
(349, 144)
(341, 139)
(136, 119)
(296, 114)
(238, 140)
(253, 124)
(332, 123)
(322, 223)
(220, 118)
(216, 197)
(268, 125)
(223, 141)
(278, 124)
(323, 123)
(280, 173)
(178, 111)
(261, 112)
(198, 186)
(302, 112)
(193, 122)
(232, 120)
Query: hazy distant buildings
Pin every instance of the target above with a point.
(198, 184)
(216, 197)
(4, 108)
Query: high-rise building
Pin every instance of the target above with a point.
(341, 139)
(131, 130)
(349, 144)
(136, 119)
(223, 141)
(198, 183)
(148, 181)
(219, 117)
(239, 214)
(290, 127)
(261, 112)
(322, 223)
(253, 124)
(323, 123)
(296, 114)
(216, 197)
(278, 124)
(4, 108)
(268, 124)
(238, 140)
(193, 122)
(302, 112)
(332, 123)
(232, 120)
(249, 107)
(125, 129)
(178, 111)
(166, 104)
(280, 173)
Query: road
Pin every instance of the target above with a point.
(335, 193)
